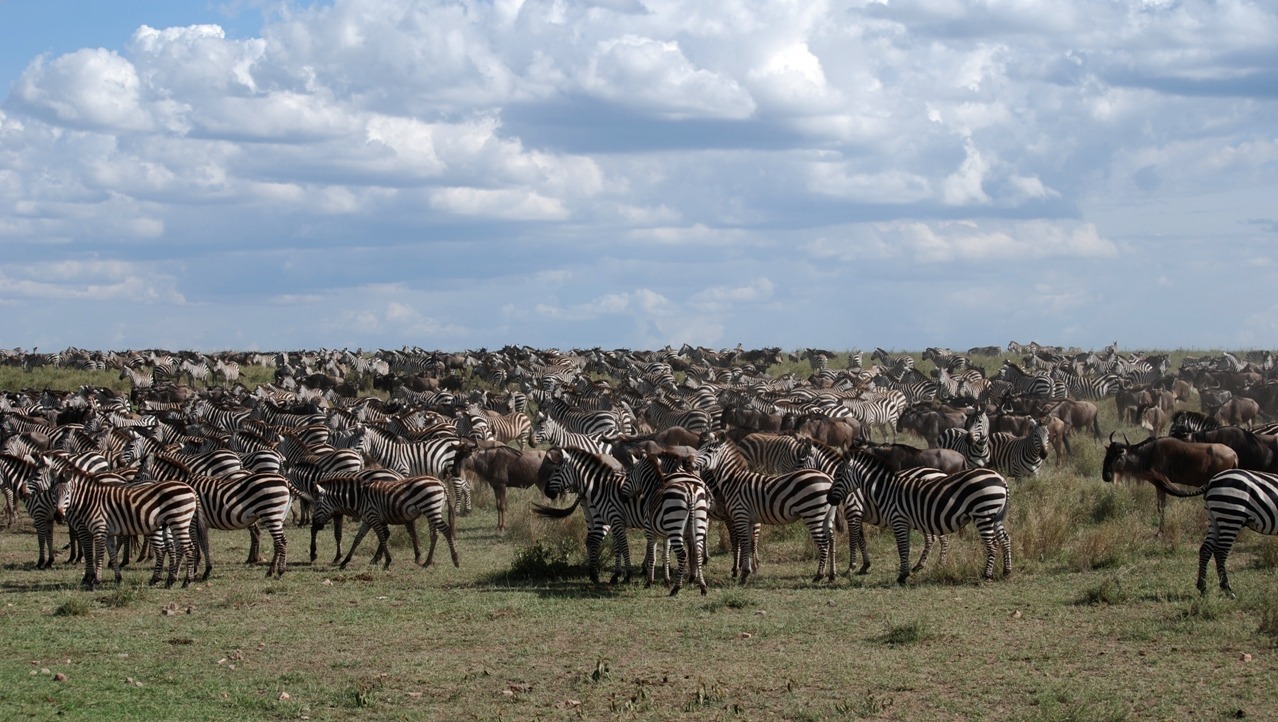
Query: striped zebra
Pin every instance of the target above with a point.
(1091, 388)
(100, 507)
(230, 503)
(677, 508)
(1186, 422)
(505, 428)
(306, 473)
(549, 431)
(972, 441)
(830, 460)
(15, 471)
(381, 503)
(1234, 499)
(748, 498)
(596, 479)
(582, 421)
(882, 412)
(663, 416)
(438, 457)
(1019, 456)
(1032, 385)
(933, 506)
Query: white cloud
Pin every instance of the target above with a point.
(655, 77)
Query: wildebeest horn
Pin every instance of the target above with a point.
(1125, 441)
(1111, 435)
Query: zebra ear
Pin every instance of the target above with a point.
(555, 455)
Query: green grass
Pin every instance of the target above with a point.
(1099, 621)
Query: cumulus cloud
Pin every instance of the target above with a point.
(635, 170)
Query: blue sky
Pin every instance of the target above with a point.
(638, 173)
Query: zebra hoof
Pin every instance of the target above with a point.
(674, 591)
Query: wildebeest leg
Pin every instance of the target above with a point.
(499, 494)
(1162, 509)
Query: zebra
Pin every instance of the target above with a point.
(241, 501)
(304, 474)
(677, 509)
(882, 411)
(99, 507)
(933, 506)
(1031, 385)
(382, 503)
(549, 431)
(747, 497)
(1091, 388)
(591, 423)
(505, 428)
(972, 441)
(438, 457)
(1185, 422)
(597, 480)
(15, 470)
(663, 416)
(1019, 456)
(771, 453)
(1234, 499)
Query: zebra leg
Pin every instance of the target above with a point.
(1205, 553)
(901, 530)
(1224, 544)
(255, 545)
(95, 556)
(928, 541)
(183, 553)
(201, 548)
(112, 549)
(856, 540)
(620, 553)
(649, 560)
(594, 540)
(359, 536)
(1005, 540)
(157, 543)
(744, 545)
(989, 537)
(280, 544)
(337, 537)
(681, 552)
(411, 526)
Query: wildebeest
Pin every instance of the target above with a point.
(903, 456)
(502, 467)
(1172, 460)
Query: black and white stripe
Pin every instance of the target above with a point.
(1019, 456)
(597, 480)
(748, 498)
(972, 441)
(101, 507)
(904, 501)
(1234, 499)
(382, 503)
(677, 506)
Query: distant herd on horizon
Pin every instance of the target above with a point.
(656, 441)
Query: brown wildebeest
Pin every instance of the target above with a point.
(1178, 462)
(1238, 411)
(904, 456)
(839, 433)
(503, 466)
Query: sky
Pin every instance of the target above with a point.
(454, 175)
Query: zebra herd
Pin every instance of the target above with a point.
(661, 442)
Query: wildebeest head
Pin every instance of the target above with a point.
(1115, 456)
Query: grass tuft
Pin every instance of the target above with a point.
(73, 607)
(544, 560)
(1109, 592)
(731, 599)
(909, 633)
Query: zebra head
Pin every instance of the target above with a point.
(556, 473)
(1041, 436)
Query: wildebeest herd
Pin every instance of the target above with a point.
(659, 441)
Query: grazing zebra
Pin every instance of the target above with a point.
(596, 478)
(229, 503)
(1234, 499)
(748, 498)
(933, 506)
(100, 507)
(677, 506)
(1019, 456)
(972, 441)
(379, 504)
(549, 431)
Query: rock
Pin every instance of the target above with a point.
(284, 697)
(59, 677)
(1245, 657)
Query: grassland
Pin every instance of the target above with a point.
(1100, 621)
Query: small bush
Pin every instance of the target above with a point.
(1111, 504)
(544, 561)
(731, 599)
(120, 597)
(908, 633)
(73, 607)
(1267, 554)
(1204, 608)
(1110, 592)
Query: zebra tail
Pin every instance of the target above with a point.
(550, 512)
